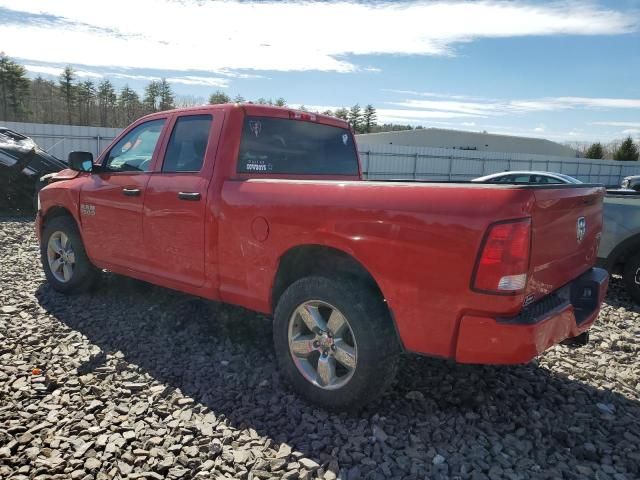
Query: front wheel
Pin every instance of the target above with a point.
(631, 277)
(64, 259)
(334, 341)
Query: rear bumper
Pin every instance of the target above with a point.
(566, 313)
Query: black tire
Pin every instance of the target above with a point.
(631, 277)
(372, 329)
(85, 274)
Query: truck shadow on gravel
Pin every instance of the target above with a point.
(519, 418)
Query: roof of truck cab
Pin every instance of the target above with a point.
(255, 109)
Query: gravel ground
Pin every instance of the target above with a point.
(135, 381)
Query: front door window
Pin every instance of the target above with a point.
(134, 152)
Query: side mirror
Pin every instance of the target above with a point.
(81, 161)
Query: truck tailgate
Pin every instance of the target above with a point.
(566, 228)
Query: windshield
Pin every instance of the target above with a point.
(276, 145)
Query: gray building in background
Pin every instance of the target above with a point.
(461, 140)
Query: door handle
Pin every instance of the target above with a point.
(193, 196)
(131, 192)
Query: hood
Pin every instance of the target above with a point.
(66, 174)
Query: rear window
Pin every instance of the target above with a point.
(276, 145)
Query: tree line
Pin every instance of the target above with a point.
(71, 101)
(74, 102)
(362, 120)
(626, 150)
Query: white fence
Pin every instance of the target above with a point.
(428, 163)
(59, 140)
(378, 161)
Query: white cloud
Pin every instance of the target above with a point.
(55, 71)
(477, 107)
(600, 102)
(185, 80)
(273, 35)
(205, 81)
(618, 124)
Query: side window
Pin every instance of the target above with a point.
(134, 152)
(521, 179)
(543, 179)
(188, 142)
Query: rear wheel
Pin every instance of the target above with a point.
(64, 259)
(335, 342)
(631, 277)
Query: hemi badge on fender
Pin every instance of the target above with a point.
(87, 209)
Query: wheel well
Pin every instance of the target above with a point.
(55, 212)
(622, 252)
(318, 260)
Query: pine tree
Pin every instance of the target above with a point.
(239, 99)
(355, 117)
(368, 118)
(151, 94)
(86, 94)
(328, 112)
(129, 105)
(280, 102)
(219, 97)
(68, 90)
(14, 89)
(106, 101)
(342, 113)
(44, 98)
(595, 151)
(166, 95)
(626, 151)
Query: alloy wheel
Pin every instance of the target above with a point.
(322, 344)
(61, 257)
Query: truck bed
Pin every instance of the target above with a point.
(419, 240)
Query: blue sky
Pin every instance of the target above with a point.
(567, 71)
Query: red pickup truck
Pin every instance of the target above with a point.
(265, 207)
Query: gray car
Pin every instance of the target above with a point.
(527, 177)
(619, 250)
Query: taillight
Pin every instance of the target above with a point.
(503, 262)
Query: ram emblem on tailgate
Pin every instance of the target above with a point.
(581, 228)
